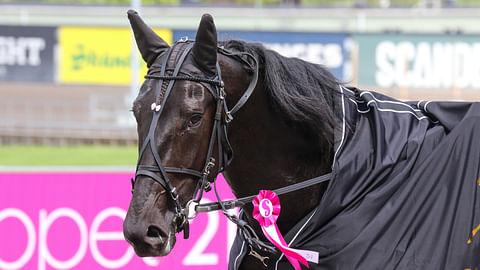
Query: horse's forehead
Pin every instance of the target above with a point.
(173, 58)
(188, 68)
(194, 92)
(188, 65)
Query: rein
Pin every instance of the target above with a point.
(159, 173)
(226, 205)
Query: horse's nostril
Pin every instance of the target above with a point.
(155, 236)
(153, 232)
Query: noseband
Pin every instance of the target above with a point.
(215, 86)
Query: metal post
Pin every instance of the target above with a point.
(135, 63)
(128, 119)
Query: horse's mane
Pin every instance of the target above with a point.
(301, 91)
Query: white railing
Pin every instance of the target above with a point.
(101, 118)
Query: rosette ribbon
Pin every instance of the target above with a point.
(266, 209)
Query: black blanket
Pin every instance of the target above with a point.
(405, 190)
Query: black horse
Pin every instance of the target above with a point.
(402, 177)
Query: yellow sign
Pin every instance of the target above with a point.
(99, 55)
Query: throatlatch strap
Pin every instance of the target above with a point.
(248, 92)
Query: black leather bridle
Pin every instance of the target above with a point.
(223, 116)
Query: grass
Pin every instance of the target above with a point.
(85, 155)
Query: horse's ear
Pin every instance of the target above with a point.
(149, 43)
(205, 47)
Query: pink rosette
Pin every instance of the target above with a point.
(262, 202)
(266, 209)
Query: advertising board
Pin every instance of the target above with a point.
(419, 61)
(329, 49)
(74, 221)
(95, 55)
(27, 53)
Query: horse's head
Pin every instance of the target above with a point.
(181, 116)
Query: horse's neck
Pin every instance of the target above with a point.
(269, 154)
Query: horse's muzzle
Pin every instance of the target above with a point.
(148, 240)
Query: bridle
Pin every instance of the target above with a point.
(215, 86)
(223, 116)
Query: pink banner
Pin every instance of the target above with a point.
(74, 221)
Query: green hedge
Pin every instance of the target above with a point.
(36, 155)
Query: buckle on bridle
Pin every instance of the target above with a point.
(174, 194)
(183, 39)
(209, 166)
(229, 117)
(191, 205)
(222, 94)
(183, 225)
(207, 187)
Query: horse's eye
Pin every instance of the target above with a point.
(194, 120)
